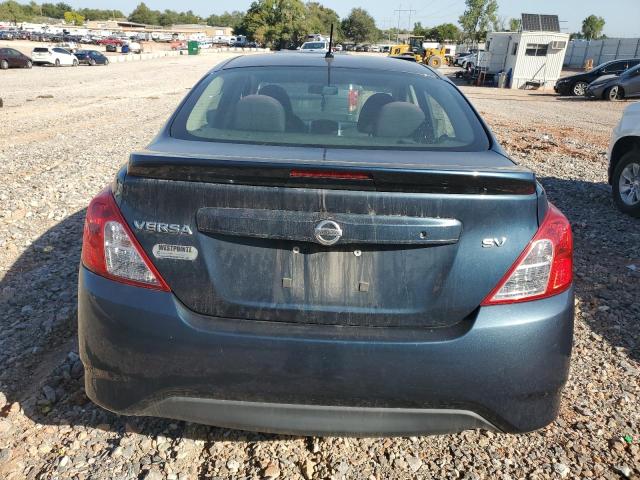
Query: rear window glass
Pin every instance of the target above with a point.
(313, 45)
(343, 108)
(41, 50)
(632, 71)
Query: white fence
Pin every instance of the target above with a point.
(132, 57)
(600, 51)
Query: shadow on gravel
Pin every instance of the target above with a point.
(607, 260)
(38, 341)
(38, 345)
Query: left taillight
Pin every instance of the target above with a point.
(110, 249)
(545, 267)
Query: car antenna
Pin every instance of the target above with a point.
(329, 54)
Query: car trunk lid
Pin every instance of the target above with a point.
(400, 244)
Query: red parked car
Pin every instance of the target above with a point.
(111, 41)
(10, 57)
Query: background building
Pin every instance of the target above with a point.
(533, 57)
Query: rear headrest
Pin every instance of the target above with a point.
(399, 119)
(279, 93)
(371, 110)
(259, 113)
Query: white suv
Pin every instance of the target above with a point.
(315, 47)
(57, 56)
(624, 162)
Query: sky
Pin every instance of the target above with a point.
(622, 16)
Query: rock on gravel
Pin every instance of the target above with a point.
(5, 455)
(561, 469)
(153, 474)
(414, 463)
(272, 471)
(233, 465)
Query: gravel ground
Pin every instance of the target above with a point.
(64, 134)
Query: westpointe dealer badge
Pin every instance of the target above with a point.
(175, 252)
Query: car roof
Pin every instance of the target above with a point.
(340, 60)
(617, 60)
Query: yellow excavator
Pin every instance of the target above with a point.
(434, 57)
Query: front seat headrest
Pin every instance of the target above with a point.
(371, 110)
(399, 119)
(259, 113)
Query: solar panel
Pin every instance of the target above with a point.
(544, 23)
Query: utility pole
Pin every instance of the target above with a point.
(400, 11)
(398, 28)
(388, 25)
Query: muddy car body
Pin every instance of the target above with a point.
(327, 247)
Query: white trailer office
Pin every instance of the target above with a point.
(534, 58)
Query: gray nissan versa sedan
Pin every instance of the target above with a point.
(327, 246)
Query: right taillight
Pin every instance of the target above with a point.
(545, 267)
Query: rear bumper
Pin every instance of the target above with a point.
(317, 419)
(146, 354)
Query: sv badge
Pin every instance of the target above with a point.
(493, 242)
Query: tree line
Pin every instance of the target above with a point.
(481, 17)
(276, 23)
(33, 12)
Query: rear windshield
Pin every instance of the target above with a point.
(343, 108)
(41, 50)
(314, 45)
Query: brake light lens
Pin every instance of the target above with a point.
(353, 99)
(110, 249)
(329, 175)
(545, 267)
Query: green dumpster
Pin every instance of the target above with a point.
(193, 47)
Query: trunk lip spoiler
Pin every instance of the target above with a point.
(268, 171)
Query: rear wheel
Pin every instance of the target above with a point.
(4, 65)
(92, 62)
(29, 64)
(434, 61)
(579, 89)
(613, 93)
(57, 62)
(75, 62)
(626, 183)
(106, 62)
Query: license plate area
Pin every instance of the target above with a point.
(300, 282)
